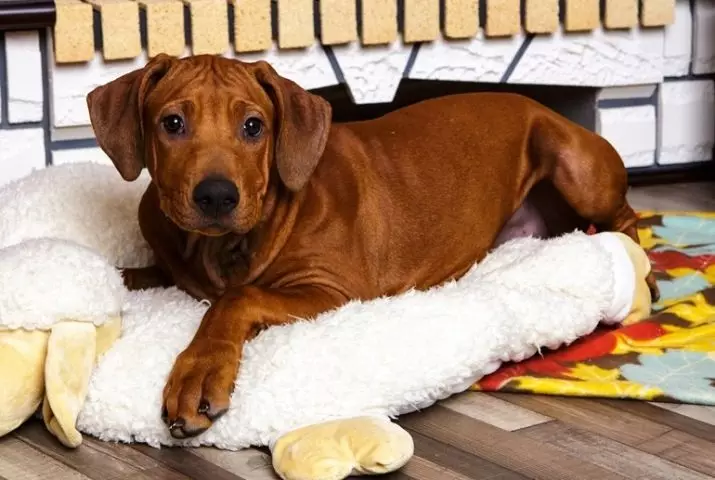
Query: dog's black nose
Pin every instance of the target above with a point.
(216, 196)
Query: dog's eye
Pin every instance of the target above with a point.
(253, 127)
(173, 124)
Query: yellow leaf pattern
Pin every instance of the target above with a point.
(669, 356)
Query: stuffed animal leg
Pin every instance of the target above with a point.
(373, 445)
(72, 351)
(341, 448)
(51, 332)
(320, 394)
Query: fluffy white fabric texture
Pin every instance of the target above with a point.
(86, 203)
(44, 281)
(384, 357)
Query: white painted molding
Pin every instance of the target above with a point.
(624, 93)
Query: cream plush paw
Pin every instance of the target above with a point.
(642, 303)
(72, 350)
(22, 367)
(337, 449)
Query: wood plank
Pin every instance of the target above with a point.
(657, 13)
(250, 464)
(582, 15)
(508, 449)
(122, 452)
(493, 411)
(253, 31)
(164, 27)
(684, 449)
(680, 196)
(620, 13)
(613, 422)
(295, 23)
(192, 466)
(73, 32)
(338, 21)
(399, 475)
(209, 26)
(421, 20)
(461, 18)
(18, 460)
(503, 18)
(379, 22)
(697, 412)
(422, 469)
(88, 461)
(458, 461)
(628, 461)
(599, 418)
(664, 417)
(157, 473)
(120, 28)
(541, 16)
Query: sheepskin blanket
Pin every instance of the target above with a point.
(384, 357)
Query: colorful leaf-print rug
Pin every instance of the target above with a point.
(669, 356)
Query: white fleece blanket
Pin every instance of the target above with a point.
(385, 357)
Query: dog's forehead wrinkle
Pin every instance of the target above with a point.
(214, 84)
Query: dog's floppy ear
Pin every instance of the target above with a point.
(115, 110)
(302, 121)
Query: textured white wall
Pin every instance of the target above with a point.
(680, 127)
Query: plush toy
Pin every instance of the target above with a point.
(320, 394)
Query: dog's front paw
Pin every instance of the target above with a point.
(199, 387)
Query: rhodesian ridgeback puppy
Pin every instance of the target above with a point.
(261, 205)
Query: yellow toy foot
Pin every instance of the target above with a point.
(642, 303)
(337, 449)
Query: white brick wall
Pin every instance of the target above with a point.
(79, 155)
(24, 76)
(599, 58)
(686, 123)
(631, 131)
(704, 37)
(21, 152)
(678, 42)
(682, 131)
(70, 84)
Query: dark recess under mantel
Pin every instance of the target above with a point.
(26, 14)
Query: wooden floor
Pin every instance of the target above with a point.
(470, 436)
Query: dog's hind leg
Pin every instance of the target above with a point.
(590, 176)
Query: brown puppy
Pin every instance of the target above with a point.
(259, 204)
